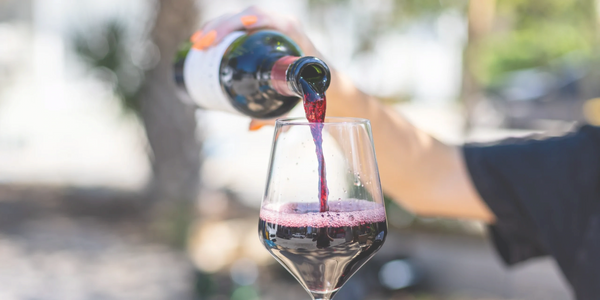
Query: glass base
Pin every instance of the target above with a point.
(323, 296)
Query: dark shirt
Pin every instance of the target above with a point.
(546, 198)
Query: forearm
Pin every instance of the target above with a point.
(423, 174)
(427, 176)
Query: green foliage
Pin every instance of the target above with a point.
(526, 33)
(245, 293)
(531, 34)
(393, 12)
(182, 52)
(374, 18)
(108, 53)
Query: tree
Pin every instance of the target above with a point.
(170, 124)
(480, 17)
(147, 90)
(515, 35)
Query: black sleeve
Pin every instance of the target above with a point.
(545, 195)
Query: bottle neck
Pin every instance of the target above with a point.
(287, 71)
(279, 73)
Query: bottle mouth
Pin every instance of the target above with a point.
(288, 71)
(312, 70)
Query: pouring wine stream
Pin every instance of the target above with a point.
(321, 243)
(315, 103)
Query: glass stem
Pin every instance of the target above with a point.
(319, 296)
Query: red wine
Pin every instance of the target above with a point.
(323, 249)
(315, 105)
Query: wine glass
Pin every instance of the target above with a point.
(323, 248)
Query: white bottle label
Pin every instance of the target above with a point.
(202, 79)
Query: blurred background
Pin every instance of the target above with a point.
(111, 188)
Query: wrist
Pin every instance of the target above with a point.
(344, 99)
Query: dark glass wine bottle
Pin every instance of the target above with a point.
(255, 74)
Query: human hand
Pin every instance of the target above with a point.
(252, 19)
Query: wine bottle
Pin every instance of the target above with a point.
(256, 74)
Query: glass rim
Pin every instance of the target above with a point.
(328, 121)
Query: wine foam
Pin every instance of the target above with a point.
(341, 213)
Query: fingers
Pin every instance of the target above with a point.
(254, 18)
(196, 36)
(207, 35)
(249, 19)
(203, 41)
(258, 124)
